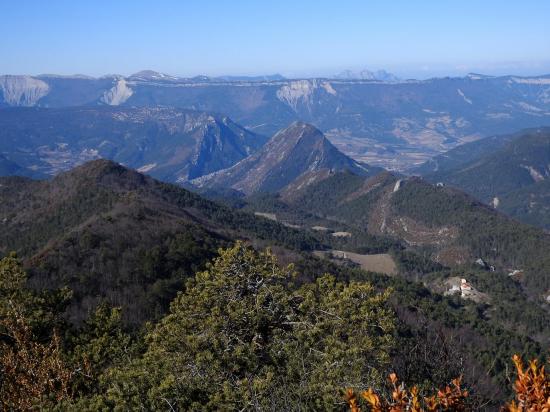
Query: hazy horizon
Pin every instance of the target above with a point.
(305, 39)
(436, 72)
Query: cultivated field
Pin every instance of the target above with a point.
(381, 263)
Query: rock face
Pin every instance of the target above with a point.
(22, 90)
(290, 154)
(171, 144)
(118, 94)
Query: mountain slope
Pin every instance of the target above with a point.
(9, 168)
(290, 154)
(443, 224)
(530, 204)
(513, 177)
(171, 144)
(110, 233)
(464, 154)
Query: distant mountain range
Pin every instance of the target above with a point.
(171, 144)
(381, 75)
(290, 155)
(510, 172)
(395, 124)
(123, 188)
(265, 78)
(150, 75)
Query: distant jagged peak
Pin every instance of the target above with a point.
(365, 74)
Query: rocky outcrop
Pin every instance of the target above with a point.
(23, 90)
(298, 91)
(301, 92)
(118, 94)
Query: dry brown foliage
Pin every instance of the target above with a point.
(33, 374)
(532, 394)
(532, 388)
(451, 398)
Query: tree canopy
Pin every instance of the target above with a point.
(242, 337)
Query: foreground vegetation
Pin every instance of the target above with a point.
(532, 393)
(244, 334)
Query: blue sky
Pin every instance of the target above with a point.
(295, 38)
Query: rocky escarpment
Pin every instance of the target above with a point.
(22, 90)
(118, 94)
(302, 91)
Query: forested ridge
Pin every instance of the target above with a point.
(126, 293)
(111, 233)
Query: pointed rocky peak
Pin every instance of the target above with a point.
(298, 130)
(294, 152)
(298, 133)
